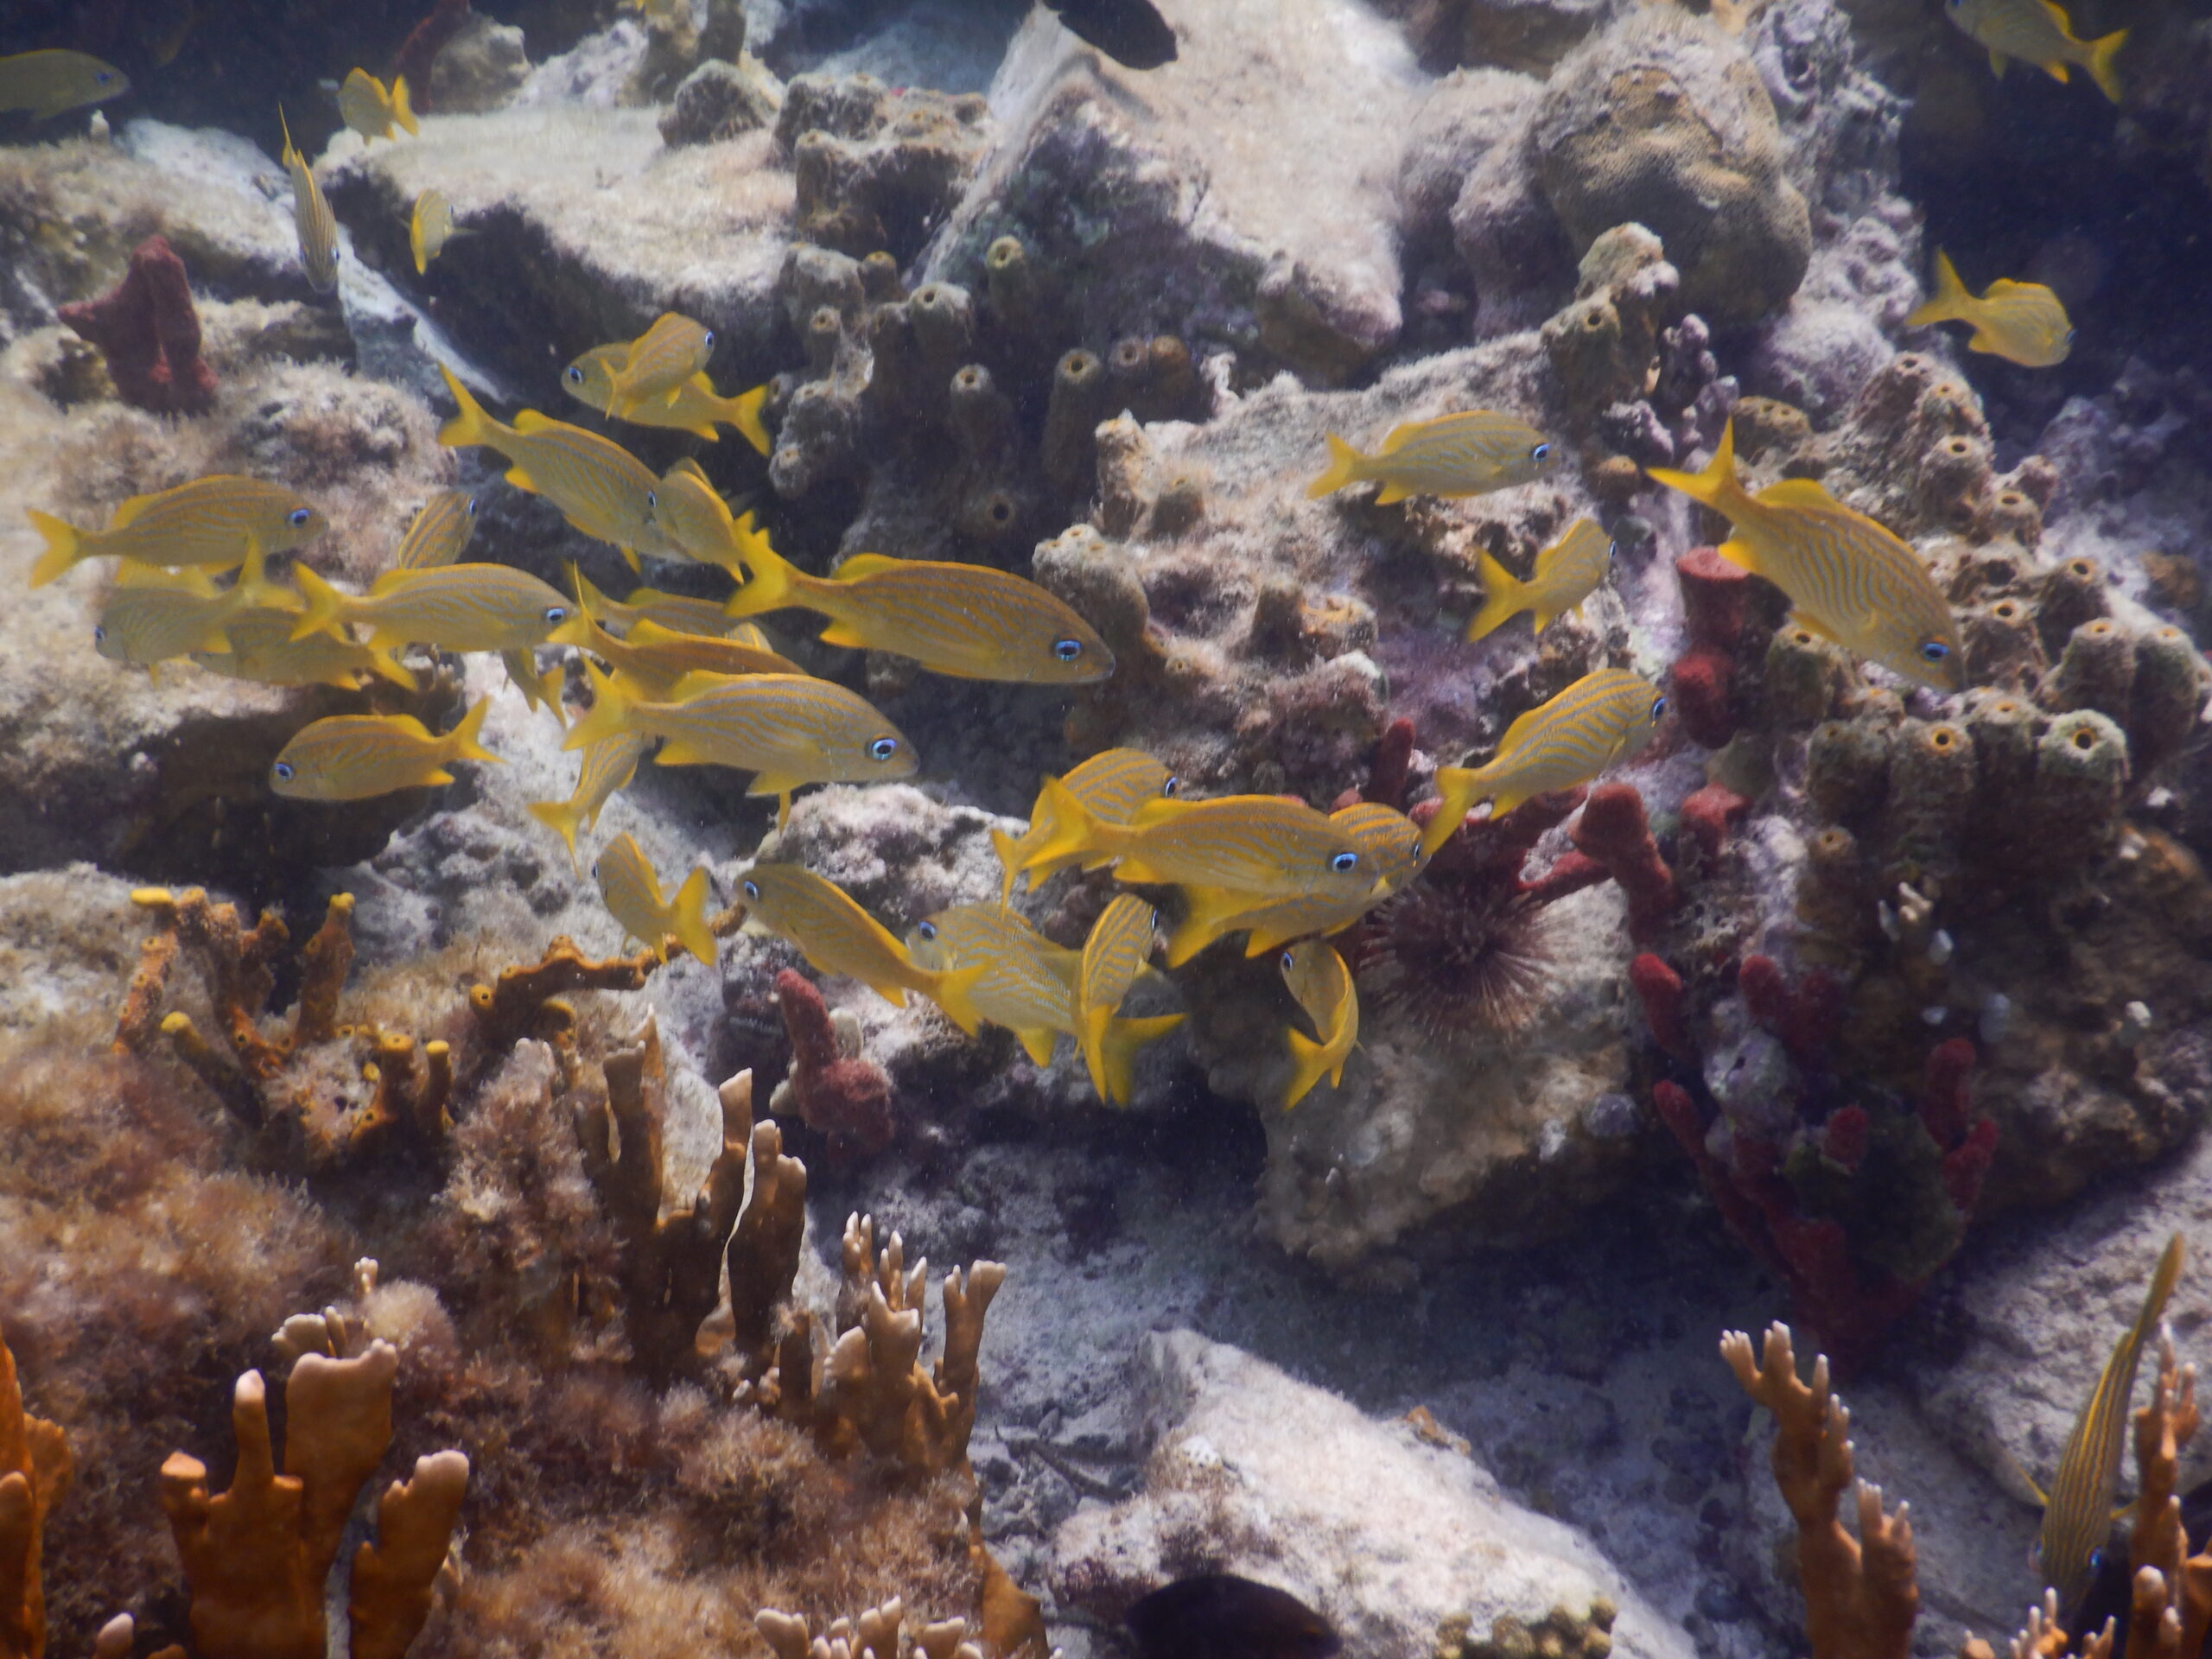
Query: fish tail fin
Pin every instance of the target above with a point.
(402, 110)
(687, 917)
(954, 991)
(384, 666)
(1945, 303)
(1504, 596)
(465, 741)
(290, 154)
(1309, 1060)
(564, 818)
(1112, 1054)
(1009, 853)
(1071, 829)
(772, 578)
(64, 545)
(255, 591)
(1458, 789)
(610, 710)
(743, 411)
(469, 428)
(1717, 486)
(324, 607)
(1344, 468)
(1209, 913)
(2103, 51)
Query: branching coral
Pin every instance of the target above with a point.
(878, 1633)
(35, 1469)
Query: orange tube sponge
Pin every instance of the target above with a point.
(34, 1470)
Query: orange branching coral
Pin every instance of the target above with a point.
(763, 1258)
(1861, 1595)
(34, 1472)
(2173, 1589)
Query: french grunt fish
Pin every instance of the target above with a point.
(1322, 987)
(366, 106)
(430, 227)
(695, 520)
(696, 407)
(153, 616)
(1023, 981)
(608, 765)
(1567, 572)
(440, 532)
(655, 659)
(1262, 845)
(677, 613)
(1111, 785)
(453, 607)
(358, 757)
(631, 890)
(263, 651)
(210, 521)
(2040, 33)
(1113, 955)
(42, 84)
(1392, 843)
(1467, 453)
(837, 937)
(657, 363)
(311, 217)
(2021, 322)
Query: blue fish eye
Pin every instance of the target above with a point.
(708, 342)
(753, 890)
(652, 499)
(285, 772)
(1344, 863)
(1540, 452)
(1285, 962)
(1935, 650)
(594, 869)
(297, 516)
(1173, 786)
(557, 614)
(927, 930)
(883, 748)
(99, 634)
(1658, 709)
(471, 508)
(1067, 650)
(575, 375)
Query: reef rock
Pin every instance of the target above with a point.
(1397, 1542)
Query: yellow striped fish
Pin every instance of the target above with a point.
(609, 765)
(153, 616)
(1111, 785)
(1322, 986)
(965, 621)
(1599, 721)
(430, 227)
(1391, 842)
(837, 937)
(1257, 844)
(1113, 955)
(600, 487)
(1851, 579)
(441, 531)
(2040, 33)
(631, 890)
(42, 84)
(312, 218)
(208, 522)
(2077, 1515)
(355, 757)
(657, 363)
(657, 658)
(696, 408)
(263, 651)
(677, 613)
(2022, 322)
(1567, 572)
(458, 607)
(695, 520)
(786, 729)
(1468, 453)
(364, 105)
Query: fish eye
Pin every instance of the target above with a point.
(99, 634)
(927, 930)
(285, 772)
(297, 516)
(1540, 452)
(1658, 709)
(471, 508)
(1935, 650)
(575, 375)
(652, 499)
(557, 614)
(104, 77)
(752, 891)
(883, 748)
(709, 341)
(1284, 961)
(1344, 863)
(594, 869)
(1067, 650)
(1173, 786)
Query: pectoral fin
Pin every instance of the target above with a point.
(840, 633)
(1037, 1045)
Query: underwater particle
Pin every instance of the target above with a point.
(844, 1096)
(1567, 572)
(44, 84)
(1471, 453)
(631, 890)
(440, 532)
(147, 331)
(1221, 1615)
(2021, 322)
(208, 522)
(317, 227)
(1322, 986)
(1456, 961)
(1131, 32)
(366, 106)
(2039, 32)
(358, 757)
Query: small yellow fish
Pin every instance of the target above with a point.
(210, 521)
(608, 765)
(44, 84)
(657, 363)
(263, 651)
(1851, 579)
(312, 218)
(356, 757)
(657, 658)
(1599, 721)
(441, 531)
(2077, 1515)
(430, 227)
(677, 613)
(366, 107)
(696, 408)
(631, 891)
(454, 607)
(2040, 33)
(1389, 838)
(695, 520)
(152, 616)
(1262, 845)
(1111, 785)
(2021, 322)
(1120, 941)
(600, 487)
(837, 937)
(1467, 453)
(1567, 572)
(786, 729)
(966, 620)
(1322, 984)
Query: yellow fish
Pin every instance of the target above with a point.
(1567, 572)
(312, 218)
(1262, 845)
(786, 729)
(696, 408)
(366, 107)
(430, 227)
(2040, 33)
(695, 520)
(1111, 785)
(210, 521)
(263, 651)
(600, 487)
(2021, 322)
(609, 765)
(152, 616)
(1851, 579)
(1468, 453)
(632, 893)
(355, 757)
(540, 688)
(2077, 1515)
(1322, 984)
(655, 659)
(440, 533)
(837, 937)
(657, 363)
(677, 613)
(1390, 840)
(966, 620)
(44, 84)
(1113, 955)
(1599, 721)
(454, 607)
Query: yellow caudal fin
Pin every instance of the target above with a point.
(1208, 914)
(1504, 596)
(463, 742)
(564, 818)
(772, 579)
(472, 426)
(384, 664)
(1717, 486)
(1946, 303)
(324, 607)
(1344, 468)
(687, 917)
(1070, 830)
(954, 991)
(1458, 789)
(1309, 1060)
(2102, 52)
(610, 711)
(255, 591)
(1009, 861)
(743, 411)
(402, 110)
(64, 545)
(1112, 1057)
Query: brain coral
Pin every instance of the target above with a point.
(1661, 120)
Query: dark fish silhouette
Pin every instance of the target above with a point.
(1131, 32)
(1220, 1616)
